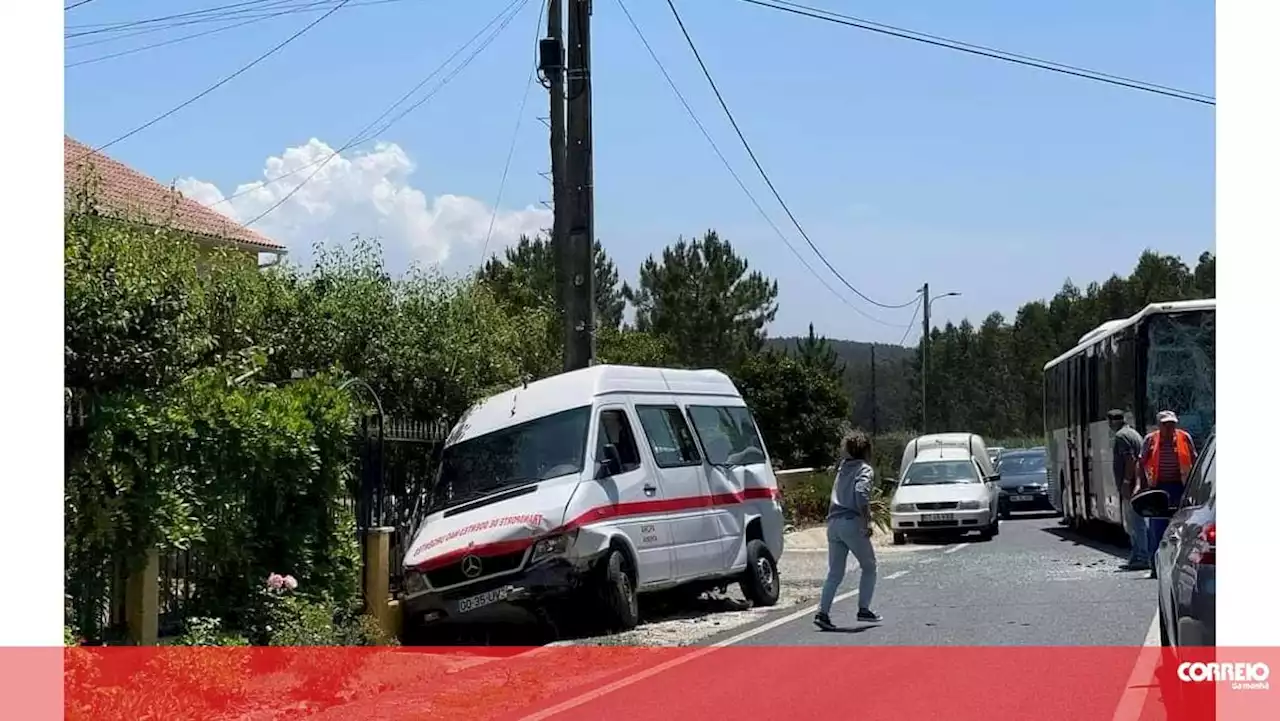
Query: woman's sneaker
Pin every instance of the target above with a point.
(823, 621)
(866, 615)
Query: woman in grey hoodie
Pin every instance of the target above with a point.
(849, 530)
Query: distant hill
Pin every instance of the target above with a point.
(895, 378)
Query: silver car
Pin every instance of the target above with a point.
(1185, 560)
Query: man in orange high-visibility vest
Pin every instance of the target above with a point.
(1167, 456)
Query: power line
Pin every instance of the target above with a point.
(243, 21)
(360, 137)
(213, 11)
(221, 82)
(363, 135)
(73, 6)
(515, 136)
(912, 322)
(725, 161)
(173, 41)
(982, 51)
(278, 8)
(724, 106)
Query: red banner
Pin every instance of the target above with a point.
(809, 683)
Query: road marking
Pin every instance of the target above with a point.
(665, 666)
(1138, 687)
(953, 549)
(898, 574)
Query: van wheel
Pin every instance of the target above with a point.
(899, 539)
(616, 594)
(760, 582)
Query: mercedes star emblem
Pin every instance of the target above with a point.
(471, 566)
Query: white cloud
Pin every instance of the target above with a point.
(367, 194)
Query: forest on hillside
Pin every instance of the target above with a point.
(988, 377)
(698, 303)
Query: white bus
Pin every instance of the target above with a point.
(1160, 358)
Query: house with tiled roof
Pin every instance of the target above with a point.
(122, 192)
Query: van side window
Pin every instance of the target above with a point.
(728, 435)
(616, 429)
(669, 436)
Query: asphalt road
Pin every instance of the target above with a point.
(1036, 584)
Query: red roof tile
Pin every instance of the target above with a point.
(123, 190)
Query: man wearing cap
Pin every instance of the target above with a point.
(1126, 449)
(1167, 457)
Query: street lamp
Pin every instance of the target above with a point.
(927, 302)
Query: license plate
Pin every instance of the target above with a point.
(938, 517)
(481, 600)
(1016, 499)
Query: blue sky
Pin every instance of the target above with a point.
(905, 163)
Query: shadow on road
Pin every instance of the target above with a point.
(1031, 516)
(1099, 539)
(524, 628)
(848, 629)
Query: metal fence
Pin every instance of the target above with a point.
(398, 461)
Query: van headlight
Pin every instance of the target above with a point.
(904, 507)
(552, 546)
(414, 582)
(969, 505)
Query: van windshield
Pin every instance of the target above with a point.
(547, 447)
(932, 473)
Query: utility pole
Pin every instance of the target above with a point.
(924, 364)
(580, 297)
(875, 405)
(552, 64)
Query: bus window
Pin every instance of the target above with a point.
(1180, 370)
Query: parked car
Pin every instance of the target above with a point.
(587, 488)
(1024, 481)
(1185, 561)
(948, 485)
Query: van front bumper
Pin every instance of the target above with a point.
(944, 520)
(552, 579)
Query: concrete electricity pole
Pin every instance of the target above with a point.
(551, 62)
(924, 360)
(580, 296)
(875, 405)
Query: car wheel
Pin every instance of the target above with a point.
(760, 582)
(899, 538)
(1005, 513)
(995, 527)
(616, 594)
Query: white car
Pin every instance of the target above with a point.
(945, 490)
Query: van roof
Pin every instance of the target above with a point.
(575, 389)
(942, 454)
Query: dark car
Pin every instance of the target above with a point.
(1024, 481)
(1185, 560)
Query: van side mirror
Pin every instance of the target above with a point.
(611, 464)
(995, 478)
(1153, 503)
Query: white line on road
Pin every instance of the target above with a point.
(898, 574)
(953, 549)
(1138, 687)
(655, 670)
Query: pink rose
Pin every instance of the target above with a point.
(290, 583)
(275, 582)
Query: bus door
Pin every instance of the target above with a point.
(1089, 391)
(1070, 404)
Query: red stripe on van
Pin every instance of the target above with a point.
(597, 515)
